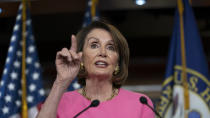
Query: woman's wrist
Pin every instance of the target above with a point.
(62, 83)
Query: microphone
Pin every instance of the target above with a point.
(143, 100)
(94, 103)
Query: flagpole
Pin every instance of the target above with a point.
(183, 56)
(23, 82)
(93, 9)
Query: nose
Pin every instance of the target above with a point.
(102, 52)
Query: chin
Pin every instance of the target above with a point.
(105, 72)
(102, 74)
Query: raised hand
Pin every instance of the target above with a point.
(68, 63)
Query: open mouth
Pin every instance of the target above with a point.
(101, 64)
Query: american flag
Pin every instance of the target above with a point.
(88, 18)
(10, 86)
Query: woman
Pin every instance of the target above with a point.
(101, 64)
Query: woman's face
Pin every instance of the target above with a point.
(100, 57)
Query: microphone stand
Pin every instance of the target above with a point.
(94, 103)
(143, 100)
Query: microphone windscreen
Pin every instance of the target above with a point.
(94, 103)
(143, 100)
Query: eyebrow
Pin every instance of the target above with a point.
(88, 39)
(111, 41)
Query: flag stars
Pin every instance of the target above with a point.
(26, 71)
(89, 3)
(19, 92)
(21, 6)
(14, 75)
(76, 85)
(21, 43)
(5, 71)
(18, 53)
(5, 110)
(8, 98)
(10, 49)
(2, 83)
(28, 22)
(18, 103)
(16, 64)
(35, 75)
(87, 14)
(32, 87)
(16, 27)
(32, 37)
(13, 38)
(28, 60)
(18, 17)
(37, 65)
(41, 92)
(31, 49)
(30, 99)
(11, 87)
(7, 60)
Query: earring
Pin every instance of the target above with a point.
(82, 67)
(116, 70)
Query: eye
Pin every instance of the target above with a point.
(111, 47)
(94, 45)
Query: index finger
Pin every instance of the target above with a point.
(73, 43)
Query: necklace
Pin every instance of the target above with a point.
(114, 92)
